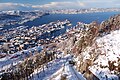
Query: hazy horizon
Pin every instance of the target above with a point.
(59, 4)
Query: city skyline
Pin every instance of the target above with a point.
(59, 4)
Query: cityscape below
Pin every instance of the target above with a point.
(63, 40)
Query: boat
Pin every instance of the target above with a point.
(62, 26)
(48, 31)
(69, 24)
(1, 28)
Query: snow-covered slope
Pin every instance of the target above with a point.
(16, 58)
(106, 65)
(68, 71)
(56, 69)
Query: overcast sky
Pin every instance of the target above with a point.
(57, 4)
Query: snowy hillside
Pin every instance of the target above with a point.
(97, 50)
(109, 47)
(104, 56)
(56, 70)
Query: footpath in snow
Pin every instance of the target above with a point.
(68, 71)
(57, 68)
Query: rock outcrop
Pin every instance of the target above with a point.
(87, 50)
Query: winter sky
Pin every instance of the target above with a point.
(57, 4)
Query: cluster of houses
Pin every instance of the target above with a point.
(22, 37)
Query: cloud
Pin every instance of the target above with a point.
(82, 4)
(60, 5)
(100, 3)
(14, 6)
(51, 5)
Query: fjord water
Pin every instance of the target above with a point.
(74, 18)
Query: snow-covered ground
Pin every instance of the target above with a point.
(68, 71)
(56, 68)
(109, 46)
(16, 58)
(52, 70)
